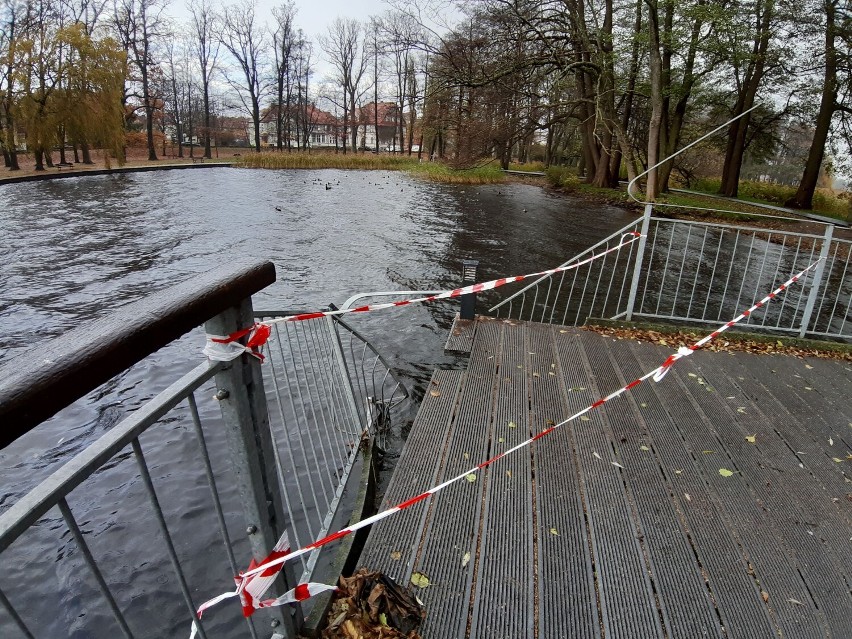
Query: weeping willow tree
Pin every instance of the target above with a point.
(92, 111)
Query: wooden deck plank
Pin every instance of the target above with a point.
(453, 526)
(568, 602)
(684, 598)
(460, 339)
(804, 460)
(666, 412)
(505, 583)
(562, 543)
(745, 494)
(628, 604)
(393, 543)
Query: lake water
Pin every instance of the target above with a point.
(75, 249)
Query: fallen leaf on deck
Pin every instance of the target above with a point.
(724, 472)
(644, 448)
(466, 455)
(536, 375)
(708, 452)
(808, 366)
(808, 388)
(644, 405)
(584, 418)
(553, 531)
(471, 477)
(688, 498)
(501, 440)
(553, 366)
(830, 441)
(741, 409)
(512, 425)
(837, 460)
(765, 596)
(795, 601)
(420, 580)
(465, 559)
(616, 464)
(751, 439)
(396, 555)
(563, 331)
(596, 455)
(435, 393)
(551, 373)
(509, 474)
(692, 374)
(678, 471)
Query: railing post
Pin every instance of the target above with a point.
(468, 302)
(242, 400)
(818, 273)
(637, 267)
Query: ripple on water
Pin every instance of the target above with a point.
(76, 249)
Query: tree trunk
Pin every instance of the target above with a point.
(207, 150)
(255, 114)
(736, 145)
(12, 150)
(803, 199)
(629, 96)
(655, 122)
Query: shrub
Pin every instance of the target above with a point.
(562, 177)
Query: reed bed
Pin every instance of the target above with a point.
(430, 171)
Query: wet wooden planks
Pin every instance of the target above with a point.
(620, 524)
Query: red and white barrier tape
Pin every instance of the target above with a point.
(271, 565)
(227, 347)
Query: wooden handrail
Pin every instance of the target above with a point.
(40, 382)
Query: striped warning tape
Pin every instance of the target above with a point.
(227, 347)
(272, 564)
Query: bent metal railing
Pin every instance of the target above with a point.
(290, 452)
(693, 271)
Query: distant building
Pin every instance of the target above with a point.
(388, 127)
(323, 129)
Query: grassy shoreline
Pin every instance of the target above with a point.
(430, 171)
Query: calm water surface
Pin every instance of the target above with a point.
(75, 249)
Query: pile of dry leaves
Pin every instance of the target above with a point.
(723, 343)
(370, 605)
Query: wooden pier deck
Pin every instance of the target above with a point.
(556, 541)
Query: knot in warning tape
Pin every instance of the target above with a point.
(226, 348)
(683, 351)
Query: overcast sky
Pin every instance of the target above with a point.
(314, 16)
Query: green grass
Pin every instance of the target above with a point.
(438, 172)
(825, 202)
(430, 171)
(536, 167)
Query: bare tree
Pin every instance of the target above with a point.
(283, 42)
(246, 39)
(11, 27)
(140, 25)
(345, 49)
(206, 50)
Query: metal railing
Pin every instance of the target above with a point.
(596, 289)
(252, 464)
(692, 271)
(330, 392)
